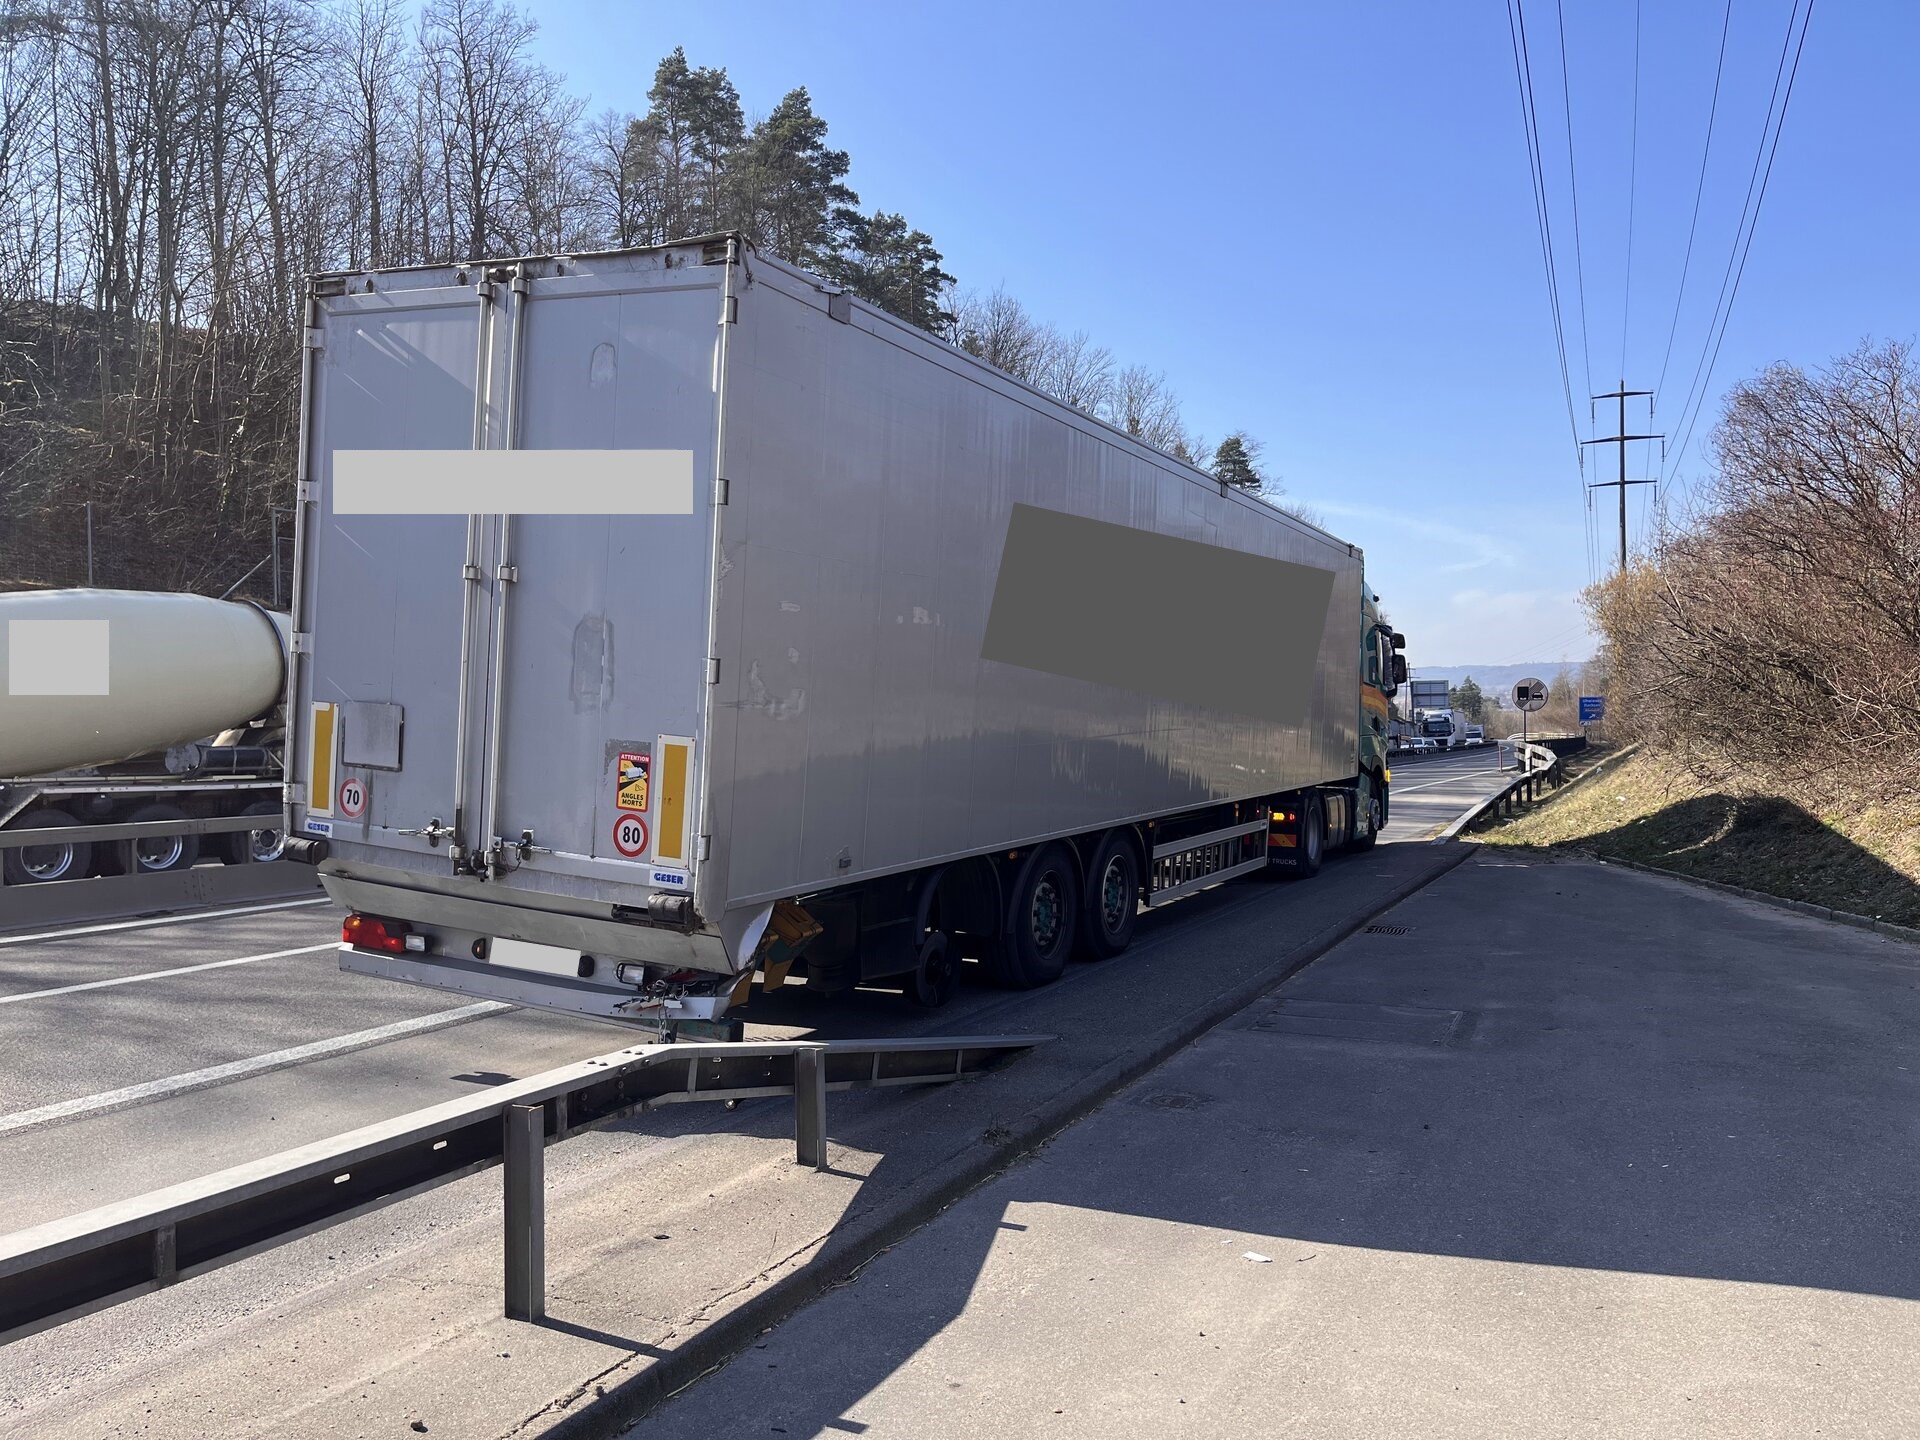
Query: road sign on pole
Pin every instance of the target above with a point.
(1592, 708)
(1529, 695)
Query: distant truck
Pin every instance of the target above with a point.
(1433, 715)
(897, 660)
(134, 707)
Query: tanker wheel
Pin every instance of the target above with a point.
(1043, 918)
(157, 854)
(936, 973)
(1112, 902)
(31, 864)
(260, 847)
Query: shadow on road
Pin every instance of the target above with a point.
(1670, 1087)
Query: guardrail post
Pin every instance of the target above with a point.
(526, 1211)
(810, 1107)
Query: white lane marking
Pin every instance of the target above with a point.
(239, 1069)
(163, 920)
(1450, 780)
(163, 974)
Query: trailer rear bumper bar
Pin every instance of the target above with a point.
(536, 924)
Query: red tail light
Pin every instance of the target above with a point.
(367, 932)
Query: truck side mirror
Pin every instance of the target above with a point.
(1399, 669)
(1399, 641)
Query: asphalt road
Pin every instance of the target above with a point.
(1577, 1153)
(141, 1053)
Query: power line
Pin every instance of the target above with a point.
(1699, 187)
(1633, 175)
(1730, 284)
(1543, 218)
(1573, 192)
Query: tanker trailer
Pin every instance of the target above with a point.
(125, 707)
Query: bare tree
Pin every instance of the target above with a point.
(1074, 370)
(997, 328)
(1140, 403)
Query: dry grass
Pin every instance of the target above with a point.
(1848, 853)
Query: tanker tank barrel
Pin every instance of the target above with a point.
(93, 677)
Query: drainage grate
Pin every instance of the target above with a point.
(1386, 929)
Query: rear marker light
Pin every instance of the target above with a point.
(366, 932)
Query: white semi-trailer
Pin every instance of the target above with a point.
(779, 630)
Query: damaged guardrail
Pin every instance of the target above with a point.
(1542, 770)
(70, 1267)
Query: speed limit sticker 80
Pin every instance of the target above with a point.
(630, 836)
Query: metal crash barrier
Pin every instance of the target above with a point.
(1540, 769)
(57, 902)
(67, 1268)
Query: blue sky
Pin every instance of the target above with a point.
(1317, 219)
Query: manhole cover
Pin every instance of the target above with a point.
(1387, 929)
(1345, 1020)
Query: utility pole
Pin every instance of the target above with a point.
(1621, 440)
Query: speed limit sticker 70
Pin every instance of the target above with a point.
(353, 797)
(630, 836)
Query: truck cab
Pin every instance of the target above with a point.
(1383, 669)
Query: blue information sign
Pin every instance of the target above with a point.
(1592, 708)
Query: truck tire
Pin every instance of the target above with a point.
(1371, 813)
(255, 847)
(1312, 849)
(936, 972)
(1112, 904)
(35, 863)
(1042, 919)
(162, 852)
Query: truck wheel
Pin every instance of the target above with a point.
(1373, 813)
(31, 864)
(158, 853)
(1042, 919)
(936, 975)
(1312, 848)
(261, 847)
(1112, 903)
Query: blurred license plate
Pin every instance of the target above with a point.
(544, 959)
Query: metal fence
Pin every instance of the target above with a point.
(71, 1267)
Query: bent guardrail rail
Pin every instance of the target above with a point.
(1542, 770)
(71, 1267)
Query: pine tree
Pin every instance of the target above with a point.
(1237, 461)
(895, 267)
(792, 197)
(684, 148)
(1469, 700)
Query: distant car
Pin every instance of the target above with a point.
(1474, 740)
(1422, 745)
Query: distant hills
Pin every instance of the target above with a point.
(1499, 679)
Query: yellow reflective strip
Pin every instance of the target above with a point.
(320, 772)
(670, 832)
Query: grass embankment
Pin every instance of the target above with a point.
(1855, 855)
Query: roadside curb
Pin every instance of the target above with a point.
(1778, 902)
(862, 1237)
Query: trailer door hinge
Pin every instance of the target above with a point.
(733, 311)
(508, 573)
(301, 642)
(314, 338)
(470, 572)
(713, 670)
(303, 492)
(706, 847)
(720, 492)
